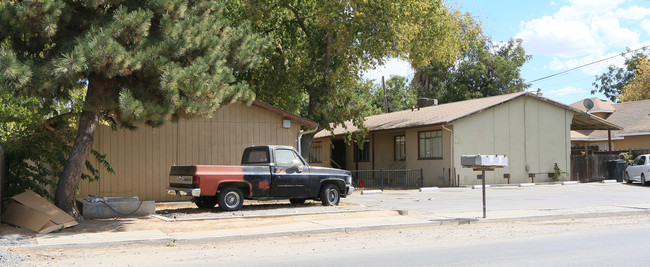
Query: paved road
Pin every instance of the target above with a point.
(604, 248)
(500, 200)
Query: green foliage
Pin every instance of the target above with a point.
(149, 60)
(557, 173)
(639, 87)
(486, 69)
(321, 48)
(142, 62)
(399, 95)
(612, 82)
(37, 141)
(626, 156)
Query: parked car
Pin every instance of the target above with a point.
(266, 173)
(639, 170)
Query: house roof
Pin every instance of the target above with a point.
(451, 112)
(633, 116)
(303, 121)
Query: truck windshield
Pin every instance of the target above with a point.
(255, 156)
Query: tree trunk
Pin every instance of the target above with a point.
(305, 144)
(66, 189)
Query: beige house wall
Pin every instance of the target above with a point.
(636, 142)
(531, 133)
(383, 155)
(142, 158)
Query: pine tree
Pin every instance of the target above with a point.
(140, 62)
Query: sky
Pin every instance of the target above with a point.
(559, 35)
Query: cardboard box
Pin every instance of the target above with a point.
(31, 211)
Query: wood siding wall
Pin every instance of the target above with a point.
(142, 158)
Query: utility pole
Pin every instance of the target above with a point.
(383, 85)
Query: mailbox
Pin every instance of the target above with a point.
(484, 161)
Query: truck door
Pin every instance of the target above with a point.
(290, 175)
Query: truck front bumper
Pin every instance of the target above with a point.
(348, 190)
(179, 191)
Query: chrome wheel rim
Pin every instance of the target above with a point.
(232, 199)
(332, 195)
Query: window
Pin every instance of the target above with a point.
(316, 152)
(284, 157)
(430, 144)
(362, 154)
(639, 161)
(256, 155)
(400, 148)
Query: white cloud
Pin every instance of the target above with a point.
(393, 66)
(557, 64)
(645, 25)
(568, 90)
(584, 27)
(557, 37)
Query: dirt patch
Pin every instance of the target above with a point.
(186, 217)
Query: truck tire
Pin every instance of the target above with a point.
(329, 195)
(205, 202)
(231, 198)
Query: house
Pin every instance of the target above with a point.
(533, 131)
(633, 116)
(142, 158)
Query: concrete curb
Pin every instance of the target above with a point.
(569, 182)
(526, 184)
(428, 189)
(480, 186)
(163, 218)
(370, 192)
(609, 181)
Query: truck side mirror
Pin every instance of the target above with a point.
(296, 163)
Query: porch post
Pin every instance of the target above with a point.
(609, 141)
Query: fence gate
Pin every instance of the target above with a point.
(388, 179)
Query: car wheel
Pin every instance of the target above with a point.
(297, 201)
(330, 195)
(231, 198)
(205, 202)
(626, 177)
(643, 182)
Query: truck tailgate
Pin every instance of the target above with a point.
(181, 176)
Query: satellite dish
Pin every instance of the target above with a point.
(589, 104)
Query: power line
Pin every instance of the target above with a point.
(588, 64)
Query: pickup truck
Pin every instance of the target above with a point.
(266, 173)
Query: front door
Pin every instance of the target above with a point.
(290, 175)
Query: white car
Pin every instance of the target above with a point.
(639, 170)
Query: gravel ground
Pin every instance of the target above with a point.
(252, 208)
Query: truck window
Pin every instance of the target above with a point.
(254, 156)
(284, 157)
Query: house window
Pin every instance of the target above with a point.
(400, 148)
(316, 153)
(362, 154)
(430, 144)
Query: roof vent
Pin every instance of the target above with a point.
(539, 92)
(426, 102)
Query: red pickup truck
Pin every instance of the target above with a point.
(267, 172)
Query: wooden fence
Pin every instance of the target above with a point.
(590, 168)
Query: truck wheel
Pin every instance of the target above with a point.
(205, 202)
(297, 201)
(231, 198)
(329, 195)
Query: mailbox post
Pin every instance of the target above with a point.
(483, 163)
